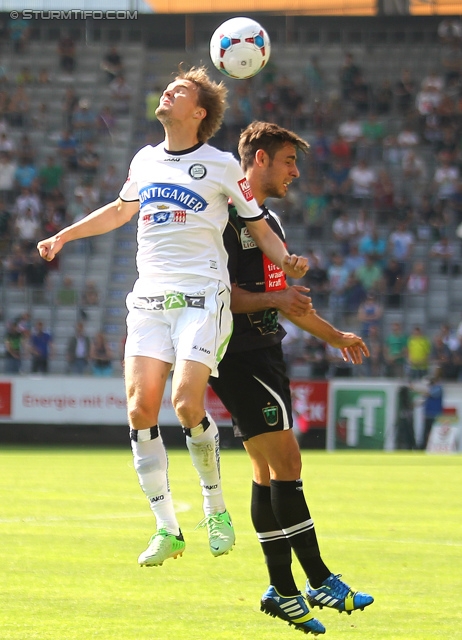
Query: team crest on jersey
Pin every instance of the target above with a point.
(271, 415)
(197, 171)
(245, 188)
(247, 242)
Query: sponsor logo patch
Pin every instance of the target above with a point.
(271, 415)
(245, 188)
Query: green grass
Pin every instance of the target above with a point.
(73, 521)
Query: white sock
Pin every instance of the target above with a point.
(151, 465)
(204, 449)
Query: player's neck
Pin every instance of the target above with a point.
(180, 138)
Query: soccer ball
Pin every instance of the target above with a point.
(240, 48)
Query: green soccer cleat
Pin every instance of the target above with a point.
(162, 545)
(220, 531)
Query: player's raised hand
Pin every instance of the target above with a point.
(294, 301)
(49, 247)
(295, 266)
(353, 347)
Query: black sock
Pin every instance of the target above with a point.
(276, 549)
(292, 513)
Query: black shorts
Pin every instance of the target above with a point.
(254, 387)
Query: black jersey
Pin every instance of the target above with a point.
(250, 269)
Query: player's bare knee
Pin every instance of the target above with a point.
(189, 413)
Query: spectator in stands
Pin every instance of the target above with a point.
(445, 179)
(112, 64)
(348, 73)
(25, 174)
(67, 293)
(384, 192)
(451, 61)
(370, 275)
(401, 244)
(445, 251)
(395, 351)
(320, 152)
(90, 296)
(337, 274)
(67, 149)
(417, 281)
(355, 294)
(441, 358)
(315, 210)
(407, 138)
(414, 172)
(109, 182)
(121, 93)
(84, 122)
(418, 354)
(315, 78)
(450, 31)
(405, 90)
(373, 245)
(341, 151)
(88, 161)
(67, 53)
(26, 228)
(89, 192)
(361, 94)
(344, 231)
(314, 353)
(351, 132)
(373, 134)
(316, 279)
(27, 199)
(14, 264)
(35, 275)
(18, 107)
(50, 175)
(374, 367)
(394, 281)
(7, 145)
(7, 179)
(362, 179)
(43, 77)
(337, 177)
(370, 313)
(40, 118)
(448, 143)
(69, 105)
(384, 98)
(41, 348)
(25, 76)
(354, 259)
(19, 30)
(13, 347)
(100, 356)
(78, 351)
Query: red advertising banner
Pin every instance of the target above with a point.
(309, 401)
(5, 399)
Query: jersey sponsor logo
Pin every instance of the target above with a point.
(171, 300)
(172, 194)
(271, 415)
(164, 217)
(245, 188)
(275, 279)
(201, 349)
(197, 171)
(247, 242)
(180, 217)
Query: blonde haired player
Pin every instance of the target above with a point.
(178, 311)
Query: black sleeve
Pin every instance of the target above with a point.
(232, 244)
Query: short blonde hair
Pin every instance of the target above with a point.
(211, 96)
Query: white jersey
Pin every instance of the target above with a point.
(183, 212)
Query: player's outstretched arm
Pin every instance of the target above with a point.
(107, 218)
(292, 265)
(353, 347)
(292, 300)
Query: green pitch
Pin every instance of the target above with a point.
(72, 523)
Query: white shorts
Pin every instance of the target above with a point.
(181, 325)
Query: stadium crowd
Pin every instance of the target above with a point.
(383, 173)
